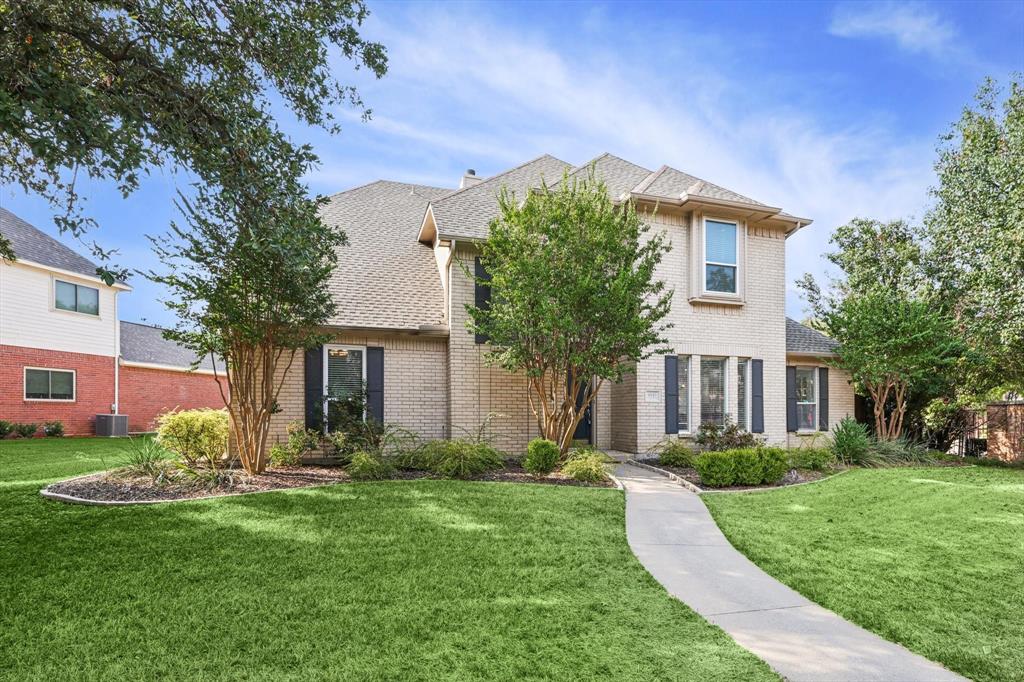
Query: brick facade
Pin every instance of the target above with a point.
(840, 403)
(94, 388)
(1006, 431)
(147, 393)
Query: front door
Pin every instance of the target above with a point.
(584, 430)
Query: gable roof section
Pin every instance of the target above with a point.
(803, 340)
(32, 244)
(467, 213)
(145, 343)
(618, 174)
(670, 183)
(384, 279)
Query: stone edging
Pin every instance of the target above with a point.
(700, 491)
(667, 474)
(616, 481)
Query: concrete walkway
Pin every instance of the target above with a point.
(674, 536)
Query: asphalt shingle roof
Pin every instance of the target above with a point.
(32, 244)
(671, 183)
(618, 174)
(385, 278)
(802, 339)
(144, 343)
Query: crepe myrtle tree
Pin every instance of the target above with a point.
(575, 302)
(110, 89)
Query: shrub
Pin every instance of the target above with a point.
(676, 453)
(196, 436)
(774, 464)
(816, 459)
(460, 458)
(541, 457)
(725, 436)
(421, 458)
(716, 469)
(746, 466)
(25, 430)
(53, 429)
(6, 428)
(852, 443)
(900, 451)
(283, 456)
(146, 457)
(365, 466)
(586, 465)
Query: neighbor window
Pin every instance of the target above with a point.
(77, 298)
(712, 390)
(720, 256)
(741, 393)
(684, 393)
(49, 384)
(806, 398)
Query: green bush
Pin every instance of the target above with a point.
(774, 464)
(725, 436)
(460, 458)
(422, 458)
(368, 467)
(676, 453)
(716, 469)
(196, 436)
(283, 456)
(587, 466)
(6, 428)
(25, 430)
(146, 457)
(852, 443)
(746, 466)
(541, 457)
(53, 429)
(816, 459)
(900, 451)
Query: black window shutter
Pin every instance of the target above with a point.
(671, 394)
(314, 377)
(482, 293)
(757, 396)
(791, 398)
(823, 398)
(375, 384)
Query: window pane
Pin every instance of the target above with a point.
(684, 392)
(89, 300)
(62, 386)
(805, 384)
(741, 394)
(721, 242)
(65, 296)
(720, 278)
(805, 420)
(344, 372)
(712, 390)
(37, 383)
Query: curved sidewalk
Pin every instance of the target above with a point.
(672, 533)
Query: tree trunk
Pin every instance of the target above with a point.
(553, 403)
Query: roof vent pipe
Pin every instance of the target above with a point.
(469, 179)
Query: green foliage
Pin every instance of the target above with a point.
(774, 464)
(717, 469)
(460, 458)
(900, 451)
(588, 466)
(746, 466)
(53, 429)
(301, 441)
(365, 466)
(197, 437)
(541, 457)
(146, 457)
(676, 453)
(742, 466)
(283, 456)
(726, 436)
(815, 459)
(26, 430)
(6, 428)
(574, 295)
(851, 442)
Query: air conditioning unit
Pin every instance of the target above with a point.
(111, 425)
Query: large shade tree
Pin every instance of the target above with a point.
(575, 301)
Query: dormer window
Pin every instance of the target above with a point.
(76, 298)
(721, 257)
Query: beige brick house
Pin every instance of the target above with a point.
(401, 325)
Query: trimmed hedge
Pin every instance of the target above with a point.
(742, 466)
(541, 457)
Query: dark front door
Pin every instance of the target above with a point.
(584, 430)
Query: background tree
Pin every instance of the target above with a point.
(112, 88)
(976, 230)
(575, 301)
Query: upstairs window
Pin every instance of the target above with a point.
(720, 256)
(76, 298)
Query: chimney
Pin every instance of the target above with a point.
(470, 179)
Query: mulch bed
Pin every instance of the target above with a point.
(792, 477)
(119, 486)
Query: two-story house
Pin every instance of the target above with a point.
(400, 329)
(65, 355)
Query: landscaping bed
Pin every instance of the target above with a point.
(792, 477)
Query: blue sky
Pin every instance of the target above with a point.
(830, 110)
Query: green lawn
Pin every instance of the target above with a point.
(932, 558)
(401, 580)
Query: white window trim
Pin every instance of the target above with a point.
(725, 396)
(705, 262)
(817, 393)
(689, 397)
(24, 385)
(53, 298)
(339, 346)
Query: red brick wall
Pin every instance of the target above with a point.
(94, 388)
(1006, 431)
(148, 393)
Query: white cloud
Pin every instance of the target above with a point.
(914, 27)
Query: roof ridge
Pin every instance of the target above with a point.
(610, 156)
(383, 181)
(498, 175)
(649, 180)
(143, 324)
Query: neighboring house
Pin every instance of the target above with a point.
(401, 289)
(64, 355)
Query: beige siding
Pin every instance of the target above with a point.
(28, 317)
(840, 403)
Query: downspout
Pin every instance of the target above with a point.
(117, 356)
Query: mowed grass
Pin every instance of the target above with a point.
(401, 580)
(932, 558)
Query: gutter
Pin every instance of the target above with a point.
(166, 368)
